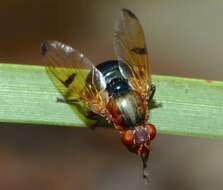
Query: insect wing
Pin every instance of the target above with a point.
(130, 48)
(68, 69)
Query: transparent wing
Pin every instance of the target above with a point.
(74, 75)
(130, 48)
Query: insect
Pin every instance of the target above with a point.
(119, 90)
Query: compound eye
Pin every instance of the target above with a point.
(151, 130)
(127, 137)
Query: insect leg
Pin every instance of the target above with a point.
(151, 92)
(151, 102)
(93, 116)
(69, 101)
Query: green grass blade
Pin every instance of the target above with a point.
(189, 106)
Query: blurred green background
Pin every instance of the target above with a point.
(184, 39)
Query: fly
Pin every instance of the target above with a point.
(119, 90)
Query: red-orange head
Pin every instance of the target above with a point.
(138, 141)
